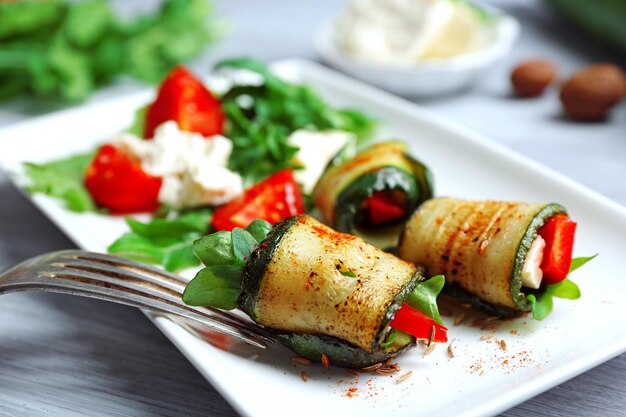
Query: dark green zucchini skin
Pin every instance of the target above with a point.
(339, 353)
(312, 346)
(347, 210)
(550, 210)
(256, 266)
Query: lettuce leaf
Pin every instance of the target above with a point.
(63, 179)
(165, 242)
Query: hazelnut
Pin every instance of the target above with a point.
(530, 78)
(591, 92)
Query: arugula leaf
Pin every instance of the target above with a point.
(348, 274)
(578, 262)
(166, 242)
(261, 118)
(259, 229)
(215, 249)
(224, 254)
(216, 286)
(424, 297)
(63, 179)
(243, 244)
(542, 303)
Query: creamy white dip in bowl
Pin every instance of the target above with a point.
(420, 77)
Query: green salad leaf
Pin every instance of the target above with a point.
(259, 230)
(64, 48)
(166, 242)
(542, 302)
(63, 179)
(578, 262)
(216, 286)
(424, 297)
(224, 254)
(260, 119)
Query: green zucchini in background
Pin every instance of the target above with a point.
(603, 19)
(480, 247)
(342, 191)
(322, 291)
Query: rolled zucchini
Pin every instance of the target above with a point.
(385, 172)
(482, 247)
(327, 292)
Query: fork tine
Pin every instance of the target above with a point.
(72, 283)
(133, 283)
(127, 282)
(137, 277)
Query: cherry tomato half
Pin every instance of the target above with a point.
(273, 199)
(184, 99)
(120, 184)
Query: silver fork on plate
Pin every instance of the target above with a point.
(127, 282)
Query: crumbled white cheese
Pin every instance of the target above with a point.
(404, 31)
(531, 271)
(316, 149)
(193, 168)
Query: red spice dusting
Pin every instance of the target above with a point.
(352, 392)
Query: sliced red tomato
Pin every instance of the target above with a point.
(418, 324)
(184, 99)
(120, 184)
(275, 198)
(382, 208)
(558, 232)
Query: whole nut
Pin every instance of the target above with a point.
(530, 78)
(591, 92)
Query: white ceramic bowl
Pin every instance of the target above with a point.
(428, 78)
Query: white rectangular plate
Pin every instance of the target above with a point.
(482, 378)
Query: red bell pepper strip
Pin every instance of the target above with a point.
(120, 184)
(185, 100)
(382, 208)
(418, 324)
(273, 199)
(558, 232)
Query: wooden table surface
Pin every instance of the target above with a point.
(66, 356)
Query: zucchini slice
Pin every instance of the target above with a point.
(480, 247)
(328, 292)
(341, 193)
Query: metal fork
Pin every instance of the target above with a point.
(127, 282)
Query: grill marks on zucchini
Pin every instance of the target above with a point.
(342, 191)
(479, 246)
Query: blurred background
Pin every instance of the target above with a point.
(49, 66)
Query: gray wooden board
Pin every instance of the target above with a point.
(66, 356)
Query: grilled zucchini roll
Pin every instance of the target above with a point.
(493, 254)
(381, 185)
(319, 291)
(326, 292)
